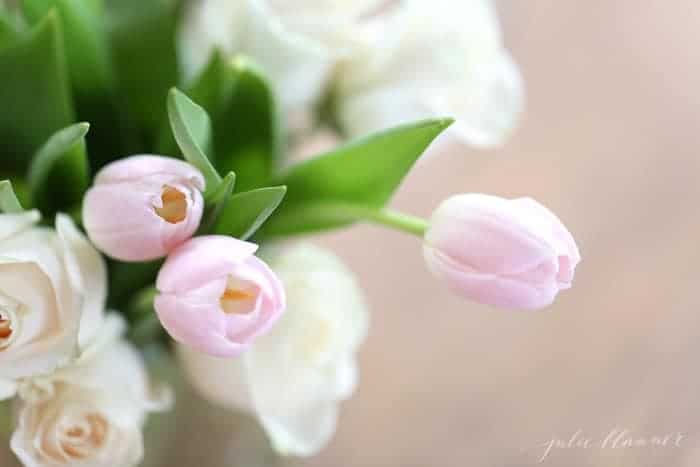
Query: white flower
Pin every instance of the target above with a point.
(385, 62)
(293, 378)
(89, 414)
(52, 294)
(296, 42)
(424, 59)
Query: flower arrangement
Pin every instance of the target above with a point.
(151, 200)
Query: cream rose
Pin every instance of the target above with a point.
(91, 413)
(52, 294)
(293, 378)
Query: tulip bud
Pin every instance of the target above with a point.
(507, 253)
(216, 296)
(142, 207)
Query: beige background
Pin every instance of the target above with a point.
(611, 142)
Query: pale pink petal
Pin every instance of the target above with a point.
(201, 260)
(138, 167)
(483, 232)
(499, 291)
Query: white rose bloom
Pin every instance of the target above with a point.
(424, 59)
(296, 42)
(293, 378)
(52, 294)
(89, 414)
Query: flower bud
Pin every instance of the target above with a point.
(507, 253)
(216, 296)
(142, 207)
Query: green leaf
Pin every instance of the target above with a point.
(58, 174)
(90, 70)
(223, 190)
(192, 130)
(216, 201)
(85, 40)
(245, 123)
(145, 326)
(11, 26)
(125, 278)
(35, 94)
(364, 173)
(211, 89)
(8, 199)
(142, 38)
(245, 212)
(247, 129)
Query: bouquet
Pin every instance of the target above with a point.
(162, 161)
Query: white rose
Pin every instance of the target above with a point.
(435, 58)
(52, 294)
(296, 42)
(89, 414)
(293, 378)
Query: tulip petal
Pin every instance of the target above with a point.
(204, 259)
(501, 291)
(560, 237)
(202, 327)
(485, 233)
(139, 167)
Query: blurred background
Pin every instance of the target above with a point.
(610, 142)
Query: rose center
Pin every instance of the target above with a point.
(7, 330)
(79, 440)
(174, 207)
(240, 297)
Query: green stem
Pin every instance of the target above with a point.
(388, 218)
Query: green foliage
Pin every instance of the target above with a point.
(192, 130)
(245, 123)
(59, 172)
(11, 26)
(90, 69)
(247, 131)
(8, 200)
(216, 202)
(142, 35)
(245, 212)
(364, 173)
(35, 95)
(125, 278)
(84, 37)
(145, 326)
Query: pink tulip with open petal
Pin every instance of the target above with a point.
(142, 207)
(216, 296)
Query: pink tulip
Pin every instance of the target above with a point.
(507, 253)
(142, 207)
(216, 296)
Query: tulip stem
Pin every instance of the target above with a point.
(400, 221)
(385, 217)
